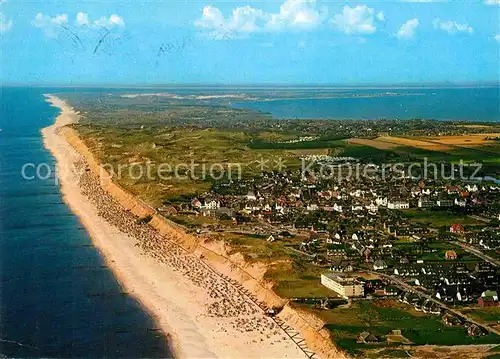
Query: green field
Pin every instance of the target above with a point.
(488, 315)
(298, 278)
(439, 218)
(435, 252)
(381, 317)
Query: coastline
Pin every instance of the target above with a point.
(178, 306)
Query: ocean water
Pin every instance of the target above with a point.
(480, 104)
(57, 296)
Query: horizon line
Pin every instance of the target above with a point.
(489, 83)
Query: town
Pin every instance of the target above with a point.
(395, 239)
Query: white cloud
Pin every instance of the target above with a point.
(357, 20)
(381, 16)
(49, 24)
(492, 2)
(246, 19)
(243, 20)
(452, 27)
(110, 22)
(82, 19)
(293, 14)
(297, 13)
(5, 23)
(44, 21)
(407, 30)
(497, 37)
(52, 26)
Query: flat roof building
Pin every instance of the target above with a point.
(346, 286)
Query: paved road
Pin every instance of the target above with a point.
(402, 285)
(478, 253)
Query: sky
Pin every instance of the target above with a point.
(141, 42)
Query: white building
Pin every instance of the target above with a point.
(398, 204)
(312, 207)
(381, 201)
(213, 204)
(347, 287)
(372, 207)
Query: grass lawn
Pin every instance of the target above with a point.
(298, 278)
(496, 349)
(435, 252)
(489, 315)
(439, 218)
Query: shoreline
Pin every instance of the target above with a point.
(182, 308)
(64, 155)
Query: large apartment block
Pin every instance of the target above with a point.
(346, 286)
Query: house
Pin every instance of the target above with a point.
(450, 255)
(406, 270)
(224, 213)
(356, 208)
(404, 260)
(379, 265)
(398, 204)
(425, 203)
(372, 207)
(251, 196)
(457, 228)
(391, 290)
(213, 204)
(366, 337)
(474, 331)
(381, 202)
(489, 298)
(452, 293)
(471, 188)
(196, 203)
(431, 307)
(460, 202)
(312, 207)
(167, 210)
(270, 238)
(444, 203)
(450, 320)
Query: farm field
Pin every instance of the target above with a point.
(465, 140)
(376, 143)
(409, 142)
(474, 147)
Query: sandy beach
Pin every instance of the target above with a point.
(203, 315)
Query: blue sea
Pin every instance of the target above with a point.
(57, 296)
(477, 104)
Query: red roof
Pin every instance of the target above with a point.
(456, 228)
